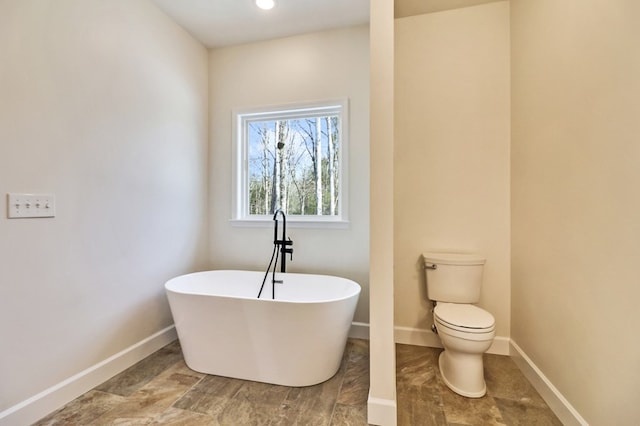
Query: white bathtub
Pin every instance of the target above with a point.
(295, 340)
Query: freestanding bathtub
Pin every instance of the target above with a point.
(295, 340)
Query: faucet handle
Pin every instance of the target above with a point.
(289, 242)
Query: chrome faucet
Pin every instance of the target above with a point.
(283, 242)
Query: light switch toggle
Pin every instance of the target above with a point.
(30, 205)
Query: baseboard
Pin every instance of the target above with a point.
(422, 337)
(500, 346)
(416, 337)
(49, 400)
(359, 330)
(382, 412)
(552, 396)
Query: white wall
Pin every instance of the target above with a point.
(576, 200)
(382, 407)
(103, 103)
(325, 65)
(452, 124)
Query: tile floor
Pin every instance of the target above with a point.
(161, 390)
(424, 399)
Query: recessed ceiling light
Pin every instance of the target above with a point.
(265, 4)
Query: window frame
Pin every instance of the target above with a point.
(240, 164)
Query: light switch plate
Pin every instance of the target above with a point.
(30, 205)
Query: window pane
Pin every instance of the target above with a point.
(293, 164)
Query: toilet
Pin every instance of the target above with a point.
(466, 331)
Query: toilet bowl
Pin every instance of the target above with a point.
(466, 332)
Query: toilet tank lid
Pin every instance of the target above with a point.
(440, 258)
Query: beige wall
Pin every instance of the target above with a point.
(318, 66)
(103, 103)
(576, 199)
(452, 124)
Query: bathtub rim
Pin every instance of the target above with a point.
(355, 293)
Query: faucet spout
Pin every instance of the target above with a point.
(283, 242)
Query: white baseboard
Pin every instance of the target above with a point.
(359, 330)
(49, 400)
(382, 412)
(422, 337)
(416, 337)
(552, 396)
(500, 346)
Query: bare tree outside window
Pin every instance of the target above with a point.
(292, 157)
(293, 165)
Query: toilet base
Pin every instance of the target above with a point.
(463, 373)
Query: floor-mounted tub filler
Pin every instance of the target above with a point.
(296, 339)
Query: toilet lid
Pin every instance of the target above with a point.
(464, 315)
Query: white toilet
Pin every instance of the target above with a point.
(466, 331)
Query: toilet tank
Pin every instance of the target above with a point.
(453, 277)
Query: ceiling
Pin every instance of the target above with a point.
(403, 8)
(217, 23)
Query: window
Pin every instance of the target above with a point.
(291, 158)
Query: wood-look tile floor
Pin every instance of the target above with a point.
(424, 399)
(161, 390)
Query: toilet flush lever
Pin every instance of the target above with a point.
(430, 266)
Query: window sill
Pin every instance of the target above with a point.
(292, 222)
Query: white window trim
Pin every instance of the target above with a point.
(239, 213)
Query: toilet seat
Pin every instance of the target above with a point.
(464, 317)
